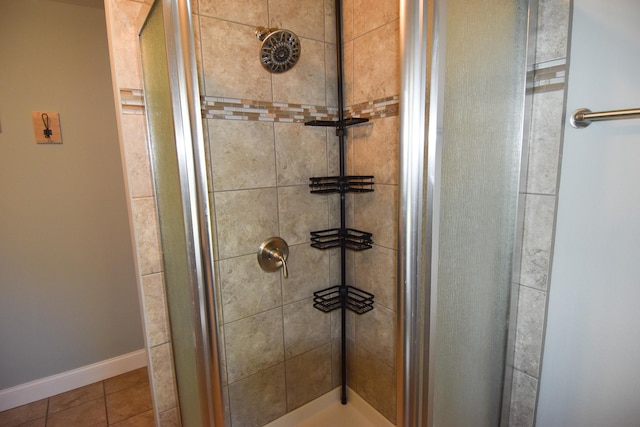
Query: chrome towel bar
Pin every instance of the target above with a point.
(582, 117)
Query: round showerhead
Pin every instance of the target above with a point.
(280, 49)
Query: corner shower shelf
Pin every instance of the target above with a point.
(349, 121)
(354, 299)
(340, 125)
(341, 184)
(337, 237)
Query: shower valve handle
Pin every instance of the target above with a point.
(277, 255)
(273, 254)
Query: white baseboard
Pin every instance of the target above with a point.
(60, 383)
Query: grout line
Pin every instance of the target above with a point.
(46, 412)
(533, 288)
(104, 396)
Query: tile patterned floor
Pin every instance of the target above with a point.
(122, 401)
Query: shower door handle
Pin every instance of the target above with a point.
(273, 254)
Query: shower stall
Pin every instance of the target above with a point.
(427, 99)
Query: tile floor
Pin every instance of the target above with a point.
(122, 401)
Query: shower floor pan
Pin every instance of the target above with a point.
(327, 411)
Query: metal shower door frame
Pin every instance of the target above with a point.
(420, 22)
(189, 139)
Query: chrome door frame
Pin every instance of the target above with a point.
(185, 97)
(421, 24)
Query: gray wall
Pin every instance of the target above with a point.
(589, 373)
(67, 279)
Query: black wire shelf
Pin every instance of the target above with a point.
(349, 121)
(341, 184)
(331, 299)
(355, 240)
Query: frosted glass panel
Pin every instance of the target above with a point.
(483, 115)
(166, 174)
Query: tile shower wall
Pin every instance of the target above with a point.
(277, 347)
(371, 68)
(260, 165)
(540, 205)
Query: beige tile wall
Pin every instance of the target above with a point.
(371, 50)
(260, 173)
(277, 346)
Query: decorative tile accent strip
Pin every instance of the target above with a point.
(379, 108)
(242, 109)
(239, 109)
(132, 101)
(549, 76)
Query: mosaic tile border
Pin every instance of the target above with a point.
(132, 101)
(238, 109)
(264, 111)
(385, 107)
(549, 76)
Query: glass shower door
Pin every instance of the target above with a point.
(460, 298)
(481, 142)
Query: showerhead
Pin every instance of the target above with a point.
(280, 49)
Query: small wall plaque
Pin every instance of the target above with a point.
(46, 127)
